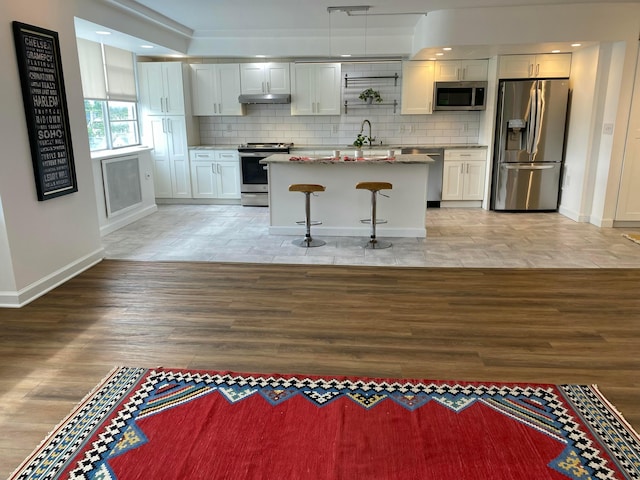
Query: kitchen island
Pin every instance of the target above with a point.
(341, 207)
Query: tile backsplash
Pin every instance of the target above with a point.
(274, 123)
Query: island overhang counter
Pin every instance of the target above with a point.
(341, 207)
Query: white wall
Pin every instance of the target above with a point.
(51, 240)
(579, 166)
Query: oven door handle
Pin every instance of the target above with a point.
(251, 154)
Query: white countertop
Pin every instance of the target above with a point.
(291, 158)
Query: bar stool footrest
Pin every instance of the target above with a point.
(368, 221)
(312, 222)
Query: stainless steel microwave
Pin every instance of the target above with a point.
(460, 96)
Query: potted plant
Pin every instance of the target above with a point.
(359, 142)
(369, 95)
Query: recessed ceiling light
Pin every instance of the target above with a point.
(576, 44)
(439, 54)
(146, 46)
(432, 58)
(103, 32)
(446, 49)
(555, 51)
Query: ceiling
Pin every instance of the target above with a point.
(296, 19)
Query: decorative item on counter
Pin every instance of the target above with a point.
(358, 153)
(369, 95)
(336, 154)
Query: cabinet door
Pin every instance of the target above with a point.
(156, 136)
(327, 88)
(228, 179)
(179, 155)
(303, 90)
(173, 88)
(553, 65)
(151, 88)
(203, 179)
(516, 66)
(447, 71)
(252, 78)
(474, 177)
(417, 87)
(228, 90)
(203, 94)
(452, 180)
(277, 79)
(474, 70)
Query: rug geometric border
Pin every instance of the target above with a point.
(543, 407)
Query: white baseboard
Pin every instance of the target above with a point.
(37, 289)
(350, 231)
(573, 215)
(460, 204)
(126, 220)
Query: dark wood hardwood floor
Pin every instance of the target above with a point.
(512, 325)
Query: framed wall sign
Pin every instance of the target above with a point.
(45, 107)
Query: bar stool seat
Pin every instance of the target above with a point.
(374, 188)
(307, 189)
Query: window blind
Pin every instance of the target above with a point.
(91, 70)
(121, 80)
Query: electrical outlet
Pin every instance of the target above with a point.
(607, 129)
(334, 128)
(402, 128)
(229, 127)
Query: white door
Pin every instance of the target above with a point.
(327, 87)
(252, 78)
(173, 88)
(277, 78)
(203, 99)
(417, 87)
(155, 130)
(151, 87)
(228, 179)
(452, 180)
(474, 178)
(302, 90)
(474, 70)
(447, 71)
(179, 154)
(203, 179)
(516, 66)
(228, 89)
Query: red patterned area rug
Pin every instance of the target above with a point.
(179, 424)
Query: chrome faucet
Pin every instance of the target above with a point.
(371, 139)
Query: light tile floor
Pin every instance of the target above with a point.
(455, 238)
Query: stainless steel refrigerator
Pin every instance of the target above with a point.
(529, 144)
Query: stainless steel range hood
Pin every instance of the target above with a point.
(265, 98)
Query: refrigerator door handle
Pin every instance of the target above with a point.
(529, 167)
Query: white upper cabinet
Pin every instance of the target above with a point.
(215, 89)
(552, 65)
(417, 87)
(161, 86)
(315, 89)
(258, 78)
(459, 70)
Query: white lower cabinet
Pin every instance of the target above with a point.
(215, 174)
(464, 174)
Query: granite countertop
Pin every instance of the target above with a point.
(398, 159)
(345, 149)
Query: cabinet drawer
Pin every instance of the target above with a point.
(199, 155)
(465, 154)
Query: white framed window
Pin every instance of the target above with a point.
(110, 95)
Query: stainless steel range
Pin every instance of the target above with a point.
(254, 190)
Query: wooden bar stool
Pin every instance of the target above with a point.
(307, 189)
(374, 188)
